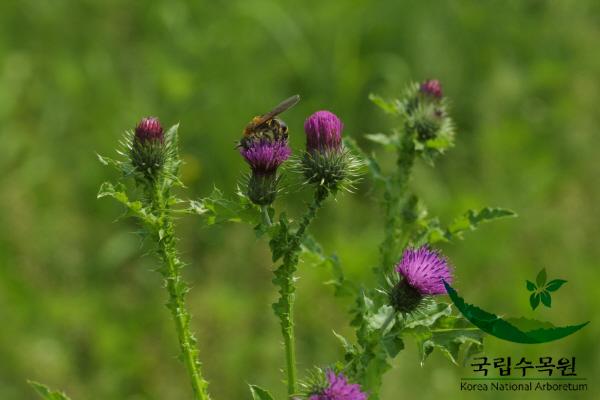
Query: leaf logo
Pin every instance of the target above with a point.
(542, 290)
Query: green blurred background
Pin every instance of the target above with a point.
(81, 308)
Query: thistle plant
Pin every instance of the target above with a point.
(409, 298)
(327, 168)
(411, 274)
(151, 158)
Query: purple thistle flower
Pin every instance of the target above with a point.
(432, 87)
(323, 131)
(149, 129)
(424, 270)
(265, 156)
(339, 389)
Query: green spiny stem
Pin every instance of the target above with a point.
(176, 287)
(320, 195)
(284, 277)
(395, 200)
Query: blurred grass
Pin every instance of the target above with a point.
(82, 311)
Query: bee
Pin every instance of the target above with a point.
(265, 124)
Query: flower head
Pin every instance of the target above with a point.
(264, 155)
(148, 150)
(424, 269)
(422, 272)
(323, 131)
(432, 87)
(338, 388)
(149, 129)
(326, 162)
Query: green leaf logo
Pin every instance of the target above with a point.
(541, 290)
(518, 330)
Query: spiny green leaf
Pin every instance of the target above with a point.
(348, 347)
(172, 160)
(546, 298)
(453, 334)
(46, 393)
(428, 315)
(216, 208)
(259, 393)
(555, 284)
(530, 286)
(541, 278)
(392, 344)
(312, 253)
(135, 208)
(390, 107)
(377, 320)
(110, 162)
(473, 218)
(456, 337)
(389, 141)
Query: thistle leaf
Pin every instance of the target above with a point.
(389, 141)
(390, 107)
(473, 218)
(454, 336)
(428, 316)
(432, 232)
(46, 393)
(134, 208)
(377, 320)
(392, 344)
(259, 393)
(312, 253)
(216, 209)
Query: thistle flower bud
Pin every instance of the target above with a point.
(431, 87)
(323, 132)
(421, 273)
(426, 118)
(149, 129)
(147, 147)
(264, 155)
(325, 161)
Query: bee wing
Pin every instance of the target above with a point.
(281, 107)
